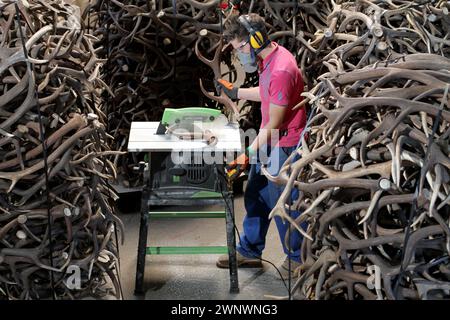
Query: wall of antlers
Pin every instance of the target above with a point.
(374, 167)
(56, 206)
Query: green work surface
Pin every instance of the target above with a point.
(207, 194)
(172, 116)
(187, 214)
(187, 250)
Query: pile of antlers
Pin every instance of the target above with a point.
(374, 171)
(51, 127)
(374, 176)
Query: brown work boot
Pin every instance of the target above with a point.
(242, 262)
(284, 269)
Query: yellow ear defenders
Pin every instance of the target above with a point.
(256, 38)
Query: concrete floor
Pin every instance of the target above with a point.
(192, 277)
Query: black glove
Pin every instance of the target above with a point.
(227, 87)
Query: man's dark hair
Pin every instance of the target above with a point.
(235, 30)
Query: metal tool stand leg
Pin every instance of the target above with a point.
(143, 232)
(142, 244)
(231, 242)
(148, 199)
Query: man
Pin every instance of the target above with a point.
(280, 86)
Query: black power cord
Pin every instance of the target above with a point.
(108, 52)
(310, 116)
(174, 26)
(107, 64)
(104, 208)
(219, 184)
(419, 182)
(30, 70)
(289, 247)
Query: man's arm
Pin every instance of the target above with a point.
(251, 94)
(276, 118)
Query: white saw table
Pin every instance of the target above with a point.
(143, 138)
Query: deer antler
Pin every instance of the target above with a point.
(214, 64)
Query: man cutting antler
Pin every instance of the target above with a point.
(280, 86)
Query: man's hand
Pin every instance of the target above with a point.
(238, 165)
(242, 160)
(227, 87)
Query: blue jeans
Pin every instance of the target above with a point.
(260, 196)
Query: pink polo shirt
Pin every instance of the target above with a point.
(281, 83)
